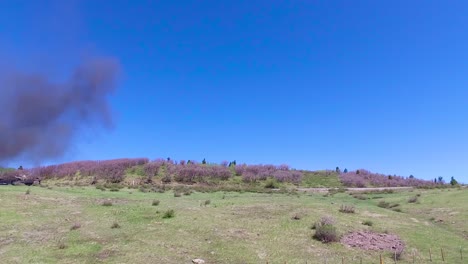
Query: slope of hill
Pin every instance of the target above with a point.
(142, 171)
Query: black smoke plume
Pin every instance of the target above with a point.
(40, 118)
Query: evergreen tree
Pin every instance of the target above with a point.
(345, 170)
(204, 161)
(453, 181)
(338, 170)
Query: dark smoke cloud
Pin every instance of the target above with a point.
(40, 118)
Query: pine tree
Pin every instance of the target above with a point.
(453, 181)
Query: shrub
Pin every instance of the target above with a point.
(348, 209)
(28, 191)
(114, 189)
(359, 197)
(177, 194)
(368, 223)
(271, 183)
(397, 210)
(326, 233)
(413, 199)
(107, 203)
(155, 202)
(115, 225)
(383, 204)
(169, 214)
(75, 226)
(207, 202)
(325, 220)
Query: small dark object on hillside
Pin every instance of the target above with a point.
(168, 214)
(28, 191)
(296, 217)
(368, 223)
(75, 226)
(413, 199)
(177, 194)
(383, 204)
(207, 202)
(62, 245)
(155, 202)
(348, 209)
(107, 203)
(115, 225)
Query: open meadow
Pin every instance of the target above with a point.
(73, 224)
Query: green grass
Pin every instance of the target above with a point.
(320, 179)
(234, 228)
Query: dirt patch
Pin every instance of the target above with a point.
(373, 241)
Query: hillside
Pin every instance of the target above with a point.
(225, 176)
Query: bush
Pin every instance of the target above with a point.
(115, 225)
(326, 220)
(271, 183)
(348, 209)
(28, 191)
(368, 223)
(207, 202)
(177, 194)
(155, 202)
(169, 214)
(383, 204)
(326, 233)
(359, 196)
(413, 199)
(107, 203)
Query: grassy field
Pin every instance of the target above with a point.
(71, 225)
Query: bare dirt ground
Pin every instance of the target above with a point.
(374, 241)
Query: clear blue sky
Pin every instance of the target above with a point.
(381, 85)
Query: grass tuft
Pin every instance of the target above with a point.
(347, 209)
(107, 203)
(169, 214)
(155, 202)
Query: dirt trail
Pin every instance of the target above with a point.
(325, 190)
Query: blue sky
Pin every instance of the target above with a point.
(380, 85)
